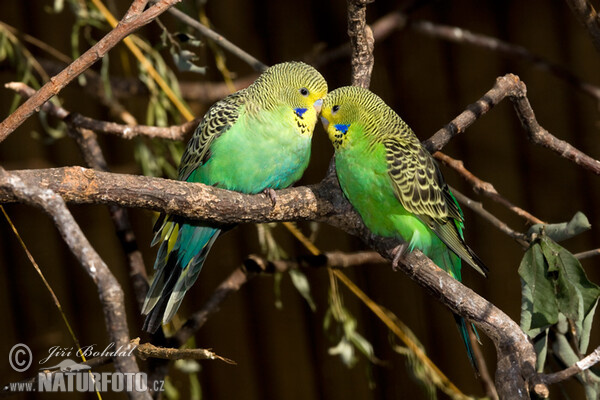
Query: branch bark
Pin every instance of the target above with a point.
(362, 43)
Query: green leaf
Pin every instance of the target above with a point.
(586, 328)
(540, 306)
(576, 295)
(564, 230)
(540, 344)
(301, 284)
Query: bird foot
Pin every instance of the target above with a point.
(399, 251)
(271, 194)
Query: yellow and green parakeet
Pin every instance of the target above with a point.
(257, 139)
(394, 183)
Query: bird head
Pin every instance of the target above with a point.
(350, 111)
(296, 86)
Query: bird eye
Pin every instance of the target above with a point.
(304, 92)
(335, 109)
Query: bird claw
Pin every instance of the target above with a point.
(271, 194)
(399, 252)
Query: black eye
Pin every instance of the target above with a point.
(304, 92)
(335, 108)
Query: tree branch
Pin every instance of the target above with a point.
(586, 15)
(58, 82)
(362, 43)
(109, 291)
(512, 87)
(485, 188)
(220, 40)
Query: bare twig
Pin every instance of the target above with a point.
(230, 285)
(486, 380)
(110, 292)
(485, 188)
(362, 42)
(463, 36)
(587, 254)
(586, 15)
(512, 87)
(582, 365)
(220, 40)
(388, 24)
(477, 207)
(148, 350)
(58, 82)
(540, 136)
(92, 154)
(175, 132)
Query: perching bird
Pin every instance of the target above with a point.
(255, 140)
(394, 183)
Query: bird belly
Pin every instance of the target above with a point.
(250, 162)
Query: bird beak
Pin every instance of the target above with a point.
(325, 122)
(317, 105)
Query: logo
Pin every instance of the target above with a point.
(20, 357)
(67, 365)
(70, 376)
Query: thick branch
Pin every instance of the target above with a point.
(58, 82)
(193, 200)
(362, 42)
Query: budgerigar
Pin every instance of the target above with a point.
(257, 139)
(394, 183)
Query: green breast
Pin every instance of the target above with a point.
(257, 154)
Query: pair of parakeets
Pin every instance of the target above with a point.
(258, 139)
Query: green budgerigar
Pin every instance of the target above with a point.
(255, 140)
(394, 183)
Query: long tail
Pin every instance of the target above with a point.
(451, 263)
(464, 332)
(180, 258)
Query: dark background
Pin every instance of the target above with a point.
(282, 354)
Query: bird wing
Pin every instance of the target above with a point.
(217, 120)
(418, 182)
(421, 189)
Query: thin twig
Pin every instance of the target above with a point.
(482, 187)
(148, 350)
(92, 154)
(87, 59)
(175, 132)
(587, 254)
(582, 365)
(588, 17)
(220, 40)
(477, 207)
(486, 380)
(512, 87)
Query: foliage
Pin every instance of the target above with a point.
(558, 300)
